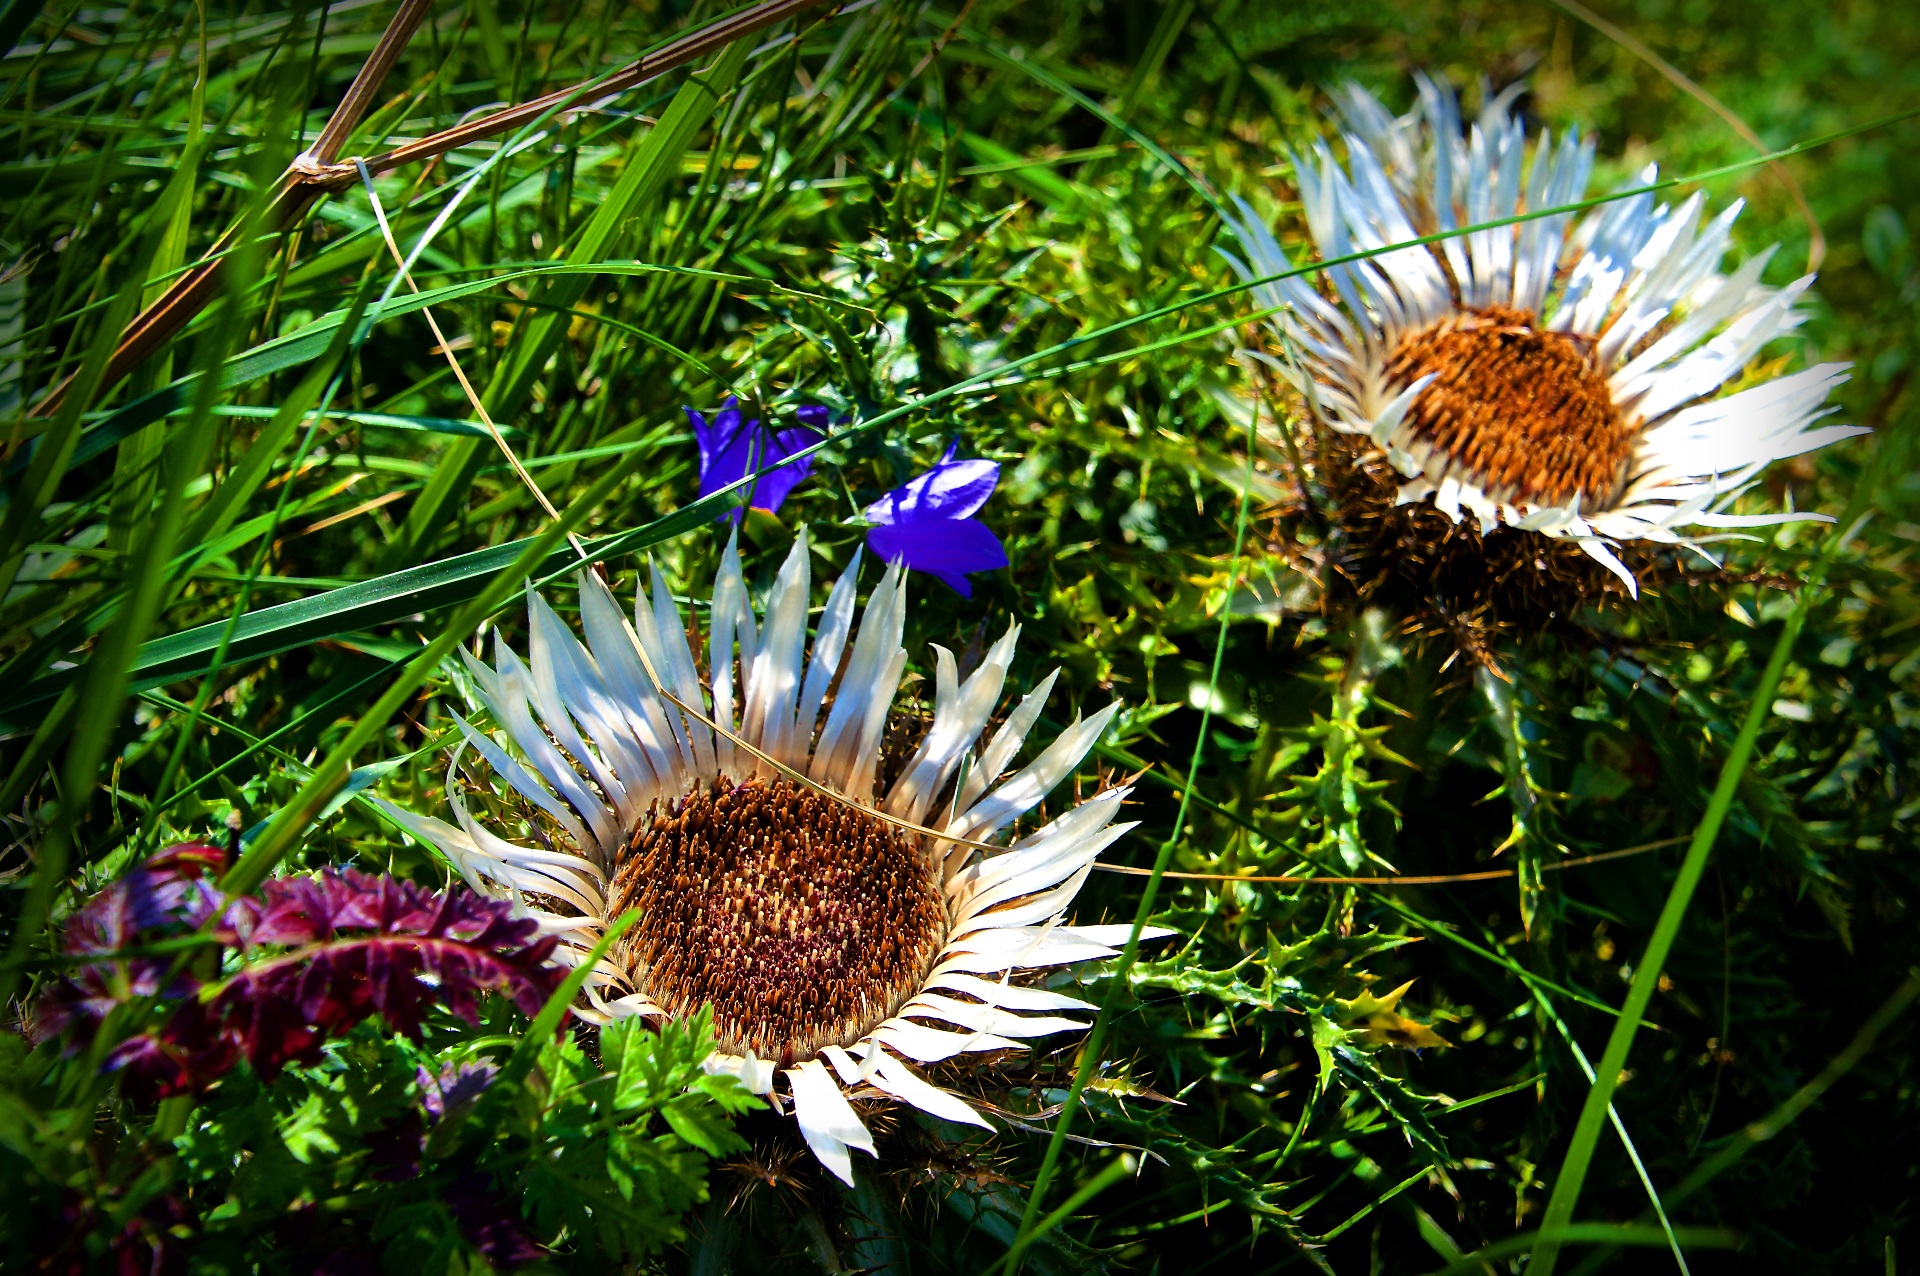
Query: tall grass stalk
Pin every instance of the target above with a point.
(1652, 964)
(1118, 989)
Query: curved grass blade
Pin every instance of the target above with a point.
(107, 672)
(319, 789)
(655, 159)
(312, 341)
(452, 580)
(1647, 971)
(1589, 1234)
(307, 620)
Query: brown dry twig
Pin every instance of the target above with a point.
(191, 293)
(1441, 879)
(319, 170)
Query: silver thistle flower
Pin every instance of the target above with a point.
(1524, 376)
(827, 940)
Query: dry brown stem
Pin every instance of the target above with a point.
(317, 171)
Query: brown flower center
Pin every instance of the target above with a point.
(1525, 412)
(803, 920)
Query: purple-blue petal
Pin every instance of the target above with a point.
(702, 435)
(713, 437)
(725, 446)
(948, 548)
(771, 489)
(952, 489)
(731, 449)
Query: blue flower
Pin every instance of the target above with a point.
(456, 1088)
(928, 524)
(731, 450)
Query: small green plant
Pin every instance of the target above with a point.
(336, 1070)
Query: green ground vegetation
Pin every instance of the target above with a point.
(998, 223)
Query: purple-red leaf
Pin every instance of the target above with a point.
(490, 1221)
(323, 953)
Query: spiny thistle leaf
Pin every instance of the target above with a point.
(1378, 1021)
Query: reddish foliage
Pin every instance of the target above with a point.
(349, 944)
(146, 1244)
(171, 895)
(491, 1222)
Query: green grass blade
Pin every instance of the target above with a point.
(1117, 987)
(291, 351)
(656, 158)
(1753, 1134)
(547, 1022)
(107, 671)
(1807, 1095)
(1117, 1169)
(283, 354)
(54, 451)
(1646, 975)
(245, 479)
(1587, 1234)
(330, 774)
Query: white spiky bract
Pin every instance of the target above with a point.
(1639, 279)
(583, 737)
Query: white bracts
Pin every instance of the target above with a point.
(1638, 280)
(586, 746)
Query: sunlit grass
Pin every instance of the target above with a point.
(235, 577)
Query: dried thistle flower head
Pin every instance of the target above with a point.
(1545, 384)
(827, 939)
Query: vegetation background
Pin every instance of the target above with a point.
(998, 223)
